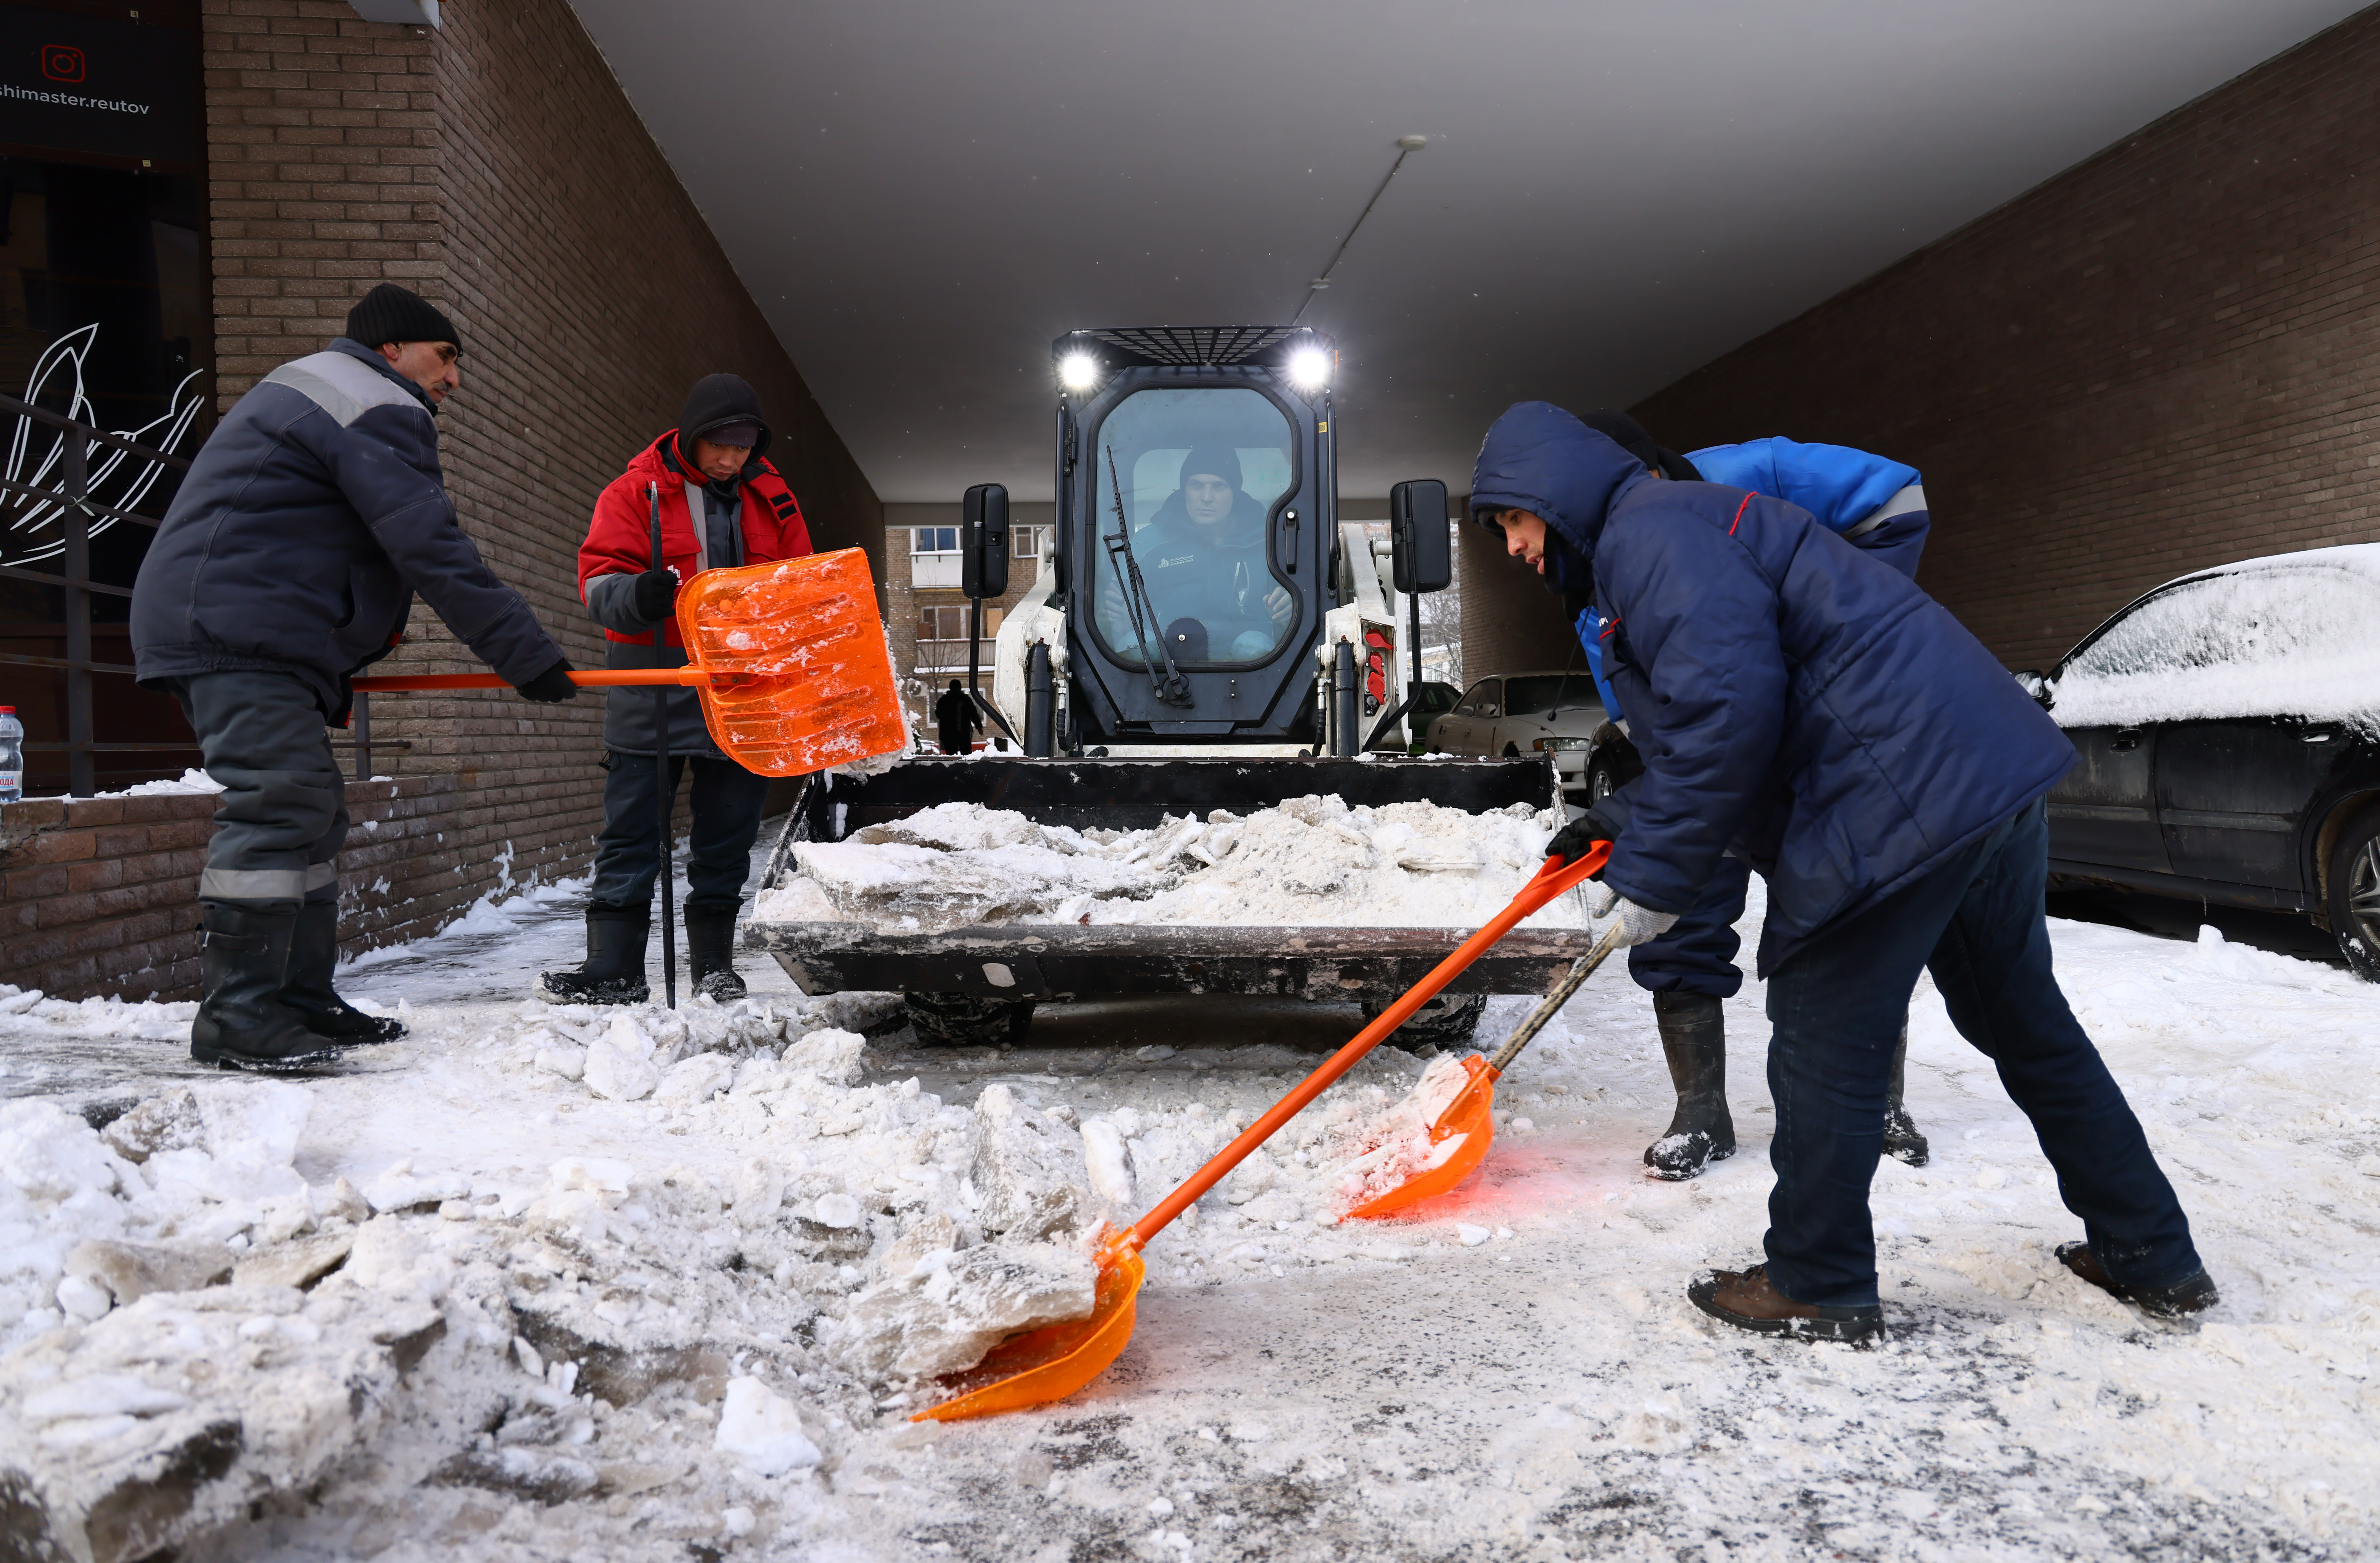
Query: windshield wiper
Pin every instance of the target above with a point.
(1171, 687)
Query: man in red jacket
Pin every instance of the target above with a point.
(721, 505)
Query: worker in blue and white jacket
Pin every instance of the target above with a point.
(1878, 505)
(1800, 704)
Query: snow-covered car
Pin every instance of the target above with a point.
(1517, 714)
(2229, 729)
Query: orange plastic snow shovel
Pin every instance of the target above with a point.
(1470, 1120)
(789, 660)
(1051, 1364)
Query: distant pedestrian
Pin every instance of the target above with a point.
(957, 720)
(288, 561)
(745, 515)
(1804, 704)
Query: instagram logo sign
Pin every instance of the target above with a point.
(62, 62)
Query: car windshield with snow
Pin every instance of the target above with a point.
(2228, 726)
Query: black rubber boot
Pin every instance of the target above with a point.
(1901, 1141)
(241, 1024)
(1694, 1037)
(313, 952)
(615, 969)
(710, 949)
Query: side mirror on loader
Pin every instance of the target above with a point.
(983, 541)
(1417, 531)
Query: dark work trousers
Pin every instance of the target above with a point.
(1697, 955)
(727, 800)
(1838, 1005)
(284, 811)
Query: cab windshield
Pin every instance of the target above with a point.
(1201, 469)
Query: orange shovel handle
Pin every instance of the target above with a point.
(491, 681)
(1552, 880)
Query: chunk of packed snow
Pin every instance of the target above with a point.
(763, 1429)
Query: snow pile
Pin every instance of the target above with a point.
(170, 1191)
(2296, 635)
(1313, 861)
(27, 1012)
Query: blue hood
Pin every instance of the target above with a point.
(1537, 457)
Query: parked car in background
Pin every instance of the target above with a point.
(1525, 713)
(2229, 729)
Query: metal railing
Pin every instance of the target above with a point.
(75, 511)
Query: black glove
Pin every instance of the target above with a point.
(551, 686)
(656, 589)
(1573, 839)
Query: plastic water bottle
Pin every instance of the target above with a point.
(12, 755)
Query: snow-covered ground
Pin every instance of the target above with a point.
(656, 1323)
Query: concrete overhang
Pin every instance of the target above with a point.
(922, 195)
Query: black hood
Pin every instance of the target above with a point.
(716, 401)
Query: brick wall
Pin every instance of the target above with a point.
(496, 167)
(1511, 623)
(99, 896)
(2165, 358)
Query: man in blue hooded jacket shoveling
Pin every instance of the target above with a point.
(1804, 706)
(1879, 504)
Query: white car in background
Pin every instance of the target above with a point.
(1514, 714)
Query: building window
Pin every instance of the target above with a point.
(951, 624)
(934, 556)
(1029, 541)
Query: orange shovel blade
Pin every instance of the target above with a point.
(1469, 1119)
(1051, 1364)
(801, 679)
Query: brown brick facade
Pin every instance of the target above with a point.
(2165, 358)
(99, 896)
(922, 684)
(496, 167)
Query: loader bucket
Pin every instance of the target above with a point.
(801, 675)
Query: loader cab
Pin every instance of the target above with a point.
(1196, 504)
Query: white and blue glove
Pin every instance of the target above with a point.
(1636, 924)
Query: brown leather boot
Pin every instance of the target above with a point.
(1744, 1299)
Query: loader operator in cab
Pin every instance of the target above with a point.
(1802, 704)
(722, 505)
(1202, 555)
(1878, 505)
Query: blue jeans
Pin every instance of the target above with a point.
(1837, 1006)
(1697, 955)
(727, 800)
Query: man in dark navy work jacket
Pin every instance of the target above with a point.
(1806, 707)
(1878, 505)
(288, 561)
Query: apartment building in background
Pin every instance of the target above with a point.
(928, 613)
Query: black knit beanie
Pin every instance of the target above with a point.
(1219, 460)
(723, 404)
(390, 314)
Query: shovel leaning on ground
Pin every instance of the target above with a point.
(789, 660)
(1051, 1364)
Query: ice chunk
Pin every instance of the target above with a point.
(1109, 1163)
(696, 1080)
(763, 1429)
(833, 1055)
(620, 1063)
(1030, 1167)
(948, 1308)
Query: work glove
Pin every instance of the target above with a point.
(656, 589)
(1578, 838)
(551, 686)
(1637, 925)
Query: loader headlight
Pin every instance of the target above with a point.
(1309, 368)
(1079, 372)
